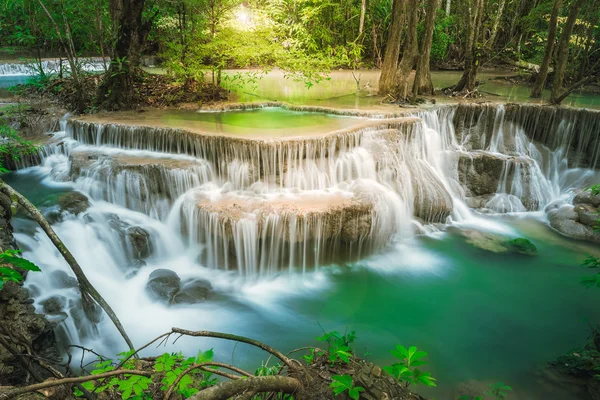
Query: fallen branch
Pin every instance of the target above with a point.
(89, 294)
(258, 384)
(289, 362)
(11, 394)
(203, 366)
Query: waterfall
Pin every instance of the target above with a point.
(50, 66)
(261, 206)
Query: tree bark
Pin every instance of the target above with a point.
(496, 25)
(392, 49)
(473, 15)
(423, 84)
(540, 80)
(259, 384)
(89, 294)
(562, 53)
(117, 88)
(363, 11)
(400, 89)
(589, 41)
(448, 7)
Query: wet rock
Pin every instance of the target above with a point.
(74, 203)
(587, 214)
(497, 243)
(586, 197)
(63, 280)
(162, 285)
(139, 239)
(565, 220)
(480, 172)
(193, 292)
(57, 318)
(54, 304)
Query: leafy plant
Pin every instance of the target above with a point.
(594, 280)
(342, 383)
(498, 391)
(595, 189)
(7, 273)
(339, 346)
(405, 370)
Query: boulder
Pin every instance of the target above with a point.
(587, 214)
(193, 292)
(586, 197)
(139, 241)
(63, 280)
(521, 246)
(54, 304)
(566, 220)
(163, 285)
(74, 203)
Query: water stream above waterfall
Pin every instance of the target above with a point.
(362, 227)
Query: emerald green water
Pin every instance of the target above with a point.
(481, 316)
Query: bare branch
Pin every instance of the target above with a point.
(257, 384)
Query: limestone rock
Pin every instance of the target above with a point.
(139, 239)
(587, 214)
(586, 197)
(497, 243)
(566, 220)
(54, 304)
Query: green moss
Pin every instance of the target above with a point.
(522, 246)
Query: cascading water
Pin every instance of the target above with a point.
(51, 66)
(232, 209)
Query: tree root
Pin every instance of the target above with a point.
(258, 384)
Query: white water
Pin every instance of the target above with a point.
(51, 66)
(266, 212)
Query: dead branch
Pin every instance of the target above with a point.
(289, 362)
(258, 384)
(89, 294)
(11, 394)
(203, 366)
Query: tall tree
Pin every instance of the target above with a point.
(392, 49)
(117, 88)
(562, 53)
(423, 84)
(473, 12)
(497, 19)
(400, 89)
(540, 80)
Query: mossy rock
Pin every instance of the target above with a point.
(521, 246)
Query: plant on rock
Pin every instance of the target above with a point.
(342, 383)
(594, 280)
(8, 261)
(340, 346)
(405, 371)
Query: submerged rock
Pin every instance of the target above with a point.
(163, 285)
(74, 203)
(497, 243)
(54, 304)
(63, 280)
(139, 239)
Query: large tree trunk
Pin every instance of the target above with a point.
(562, 53)
(400, 88)
(448, 7)
(117, 88)
(497, 20)
(363, 11)
(473, 10)
(589, 41)
(540, 80)
(423, 84)
(392, 48)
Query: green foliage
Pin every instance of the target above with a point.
(442, 39)
(342, 383)
(594, 280)
(405, 371)
(595, 189)
(339, 346)
(265, 370)
(10, 258)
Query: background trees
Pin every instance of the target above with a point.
(194, 40)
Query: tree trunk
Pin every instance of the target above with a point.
(562, 53)
(473, 15)
(423, 84)
(400, 88)
(363, 11)
(117, 88)
(496, 23)
(448, 6)
(589, 41)
(392, 49)
(540, 80)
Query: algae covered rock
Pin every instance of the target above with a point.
(497, 243)
(74, 203)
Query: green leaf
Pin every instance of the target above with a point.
(19, 262)
(354, 393)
